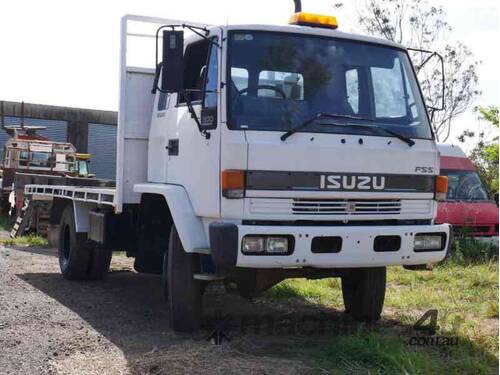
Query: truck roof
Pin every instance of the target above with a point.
(308, 30)
(452, 157)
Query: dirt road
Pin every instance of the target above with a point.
(117, 326)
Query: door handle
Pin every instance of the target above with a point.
(173, 147)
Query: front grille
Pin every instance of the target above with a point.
(302, 206)
(283, 208)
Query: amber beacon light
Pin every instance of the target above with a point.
(313, 20)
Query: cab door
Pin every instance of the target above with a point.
(193, 140)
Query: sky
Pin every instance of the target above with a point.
(66, 53)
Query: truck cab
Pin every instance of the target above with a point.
(288, 151)
(468, 206)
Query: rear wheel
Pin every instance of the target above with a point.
(363, 290)
(74, 250)
(183, 292)
(78, 258)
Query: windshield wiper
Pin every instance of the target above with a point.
(318, 116)
(372, 127)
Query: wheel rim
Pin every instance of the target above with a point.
(66, 243)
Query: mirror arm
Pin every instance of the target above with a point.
(157, 77)
(195, 29)
(432, 110)
(193, 114)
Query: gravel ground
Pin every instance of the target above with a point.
(117, 326)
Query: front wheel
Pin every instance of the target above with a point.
(363, 290)
(183, 292)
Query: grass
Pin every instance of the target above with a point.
(464, 290)
(6, 223)
(367, 352)
(29, 240)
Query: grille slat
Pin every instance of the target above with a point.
(342, 206)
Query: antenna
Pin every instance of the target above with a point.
(298, 6)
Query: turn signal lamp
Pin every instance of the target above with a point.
(233, 183)
(314, 20)
(441, 187)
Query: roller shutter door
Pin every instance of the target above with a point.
(102, 146)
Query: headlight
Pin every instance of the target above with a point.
(255, 244)
(252, 244)
(429, 242)
(277, 245)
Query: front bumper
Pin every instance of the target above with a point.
(357, 246)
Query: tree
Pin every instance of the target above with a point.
(417, 24)
(485, 154)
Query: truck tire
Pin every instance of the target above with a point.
(363, 290)
(183, 292)
(99, 263)
(74, 249)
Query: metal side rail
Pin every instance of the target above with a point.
(77, 193)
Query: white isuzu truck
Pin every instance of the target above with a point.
(255, 153)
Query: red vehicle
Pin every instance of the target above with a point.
(468, 206)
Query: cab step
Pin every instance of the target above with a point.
(202, 251)
(207, 277)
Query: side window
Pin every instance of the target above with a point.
(162, 101)
(352, 89)
(40, 159)
(210, 100)
(23, 158)
(195, 59)
(288, 85)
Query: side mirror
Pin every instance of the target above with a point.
(430, 66)
(208, 118)
(172, 66)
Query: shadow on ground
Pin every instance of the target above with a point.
(128, 309)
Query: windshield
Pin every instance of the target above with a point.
(278, 81)
(35, 159)
(465, 185)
